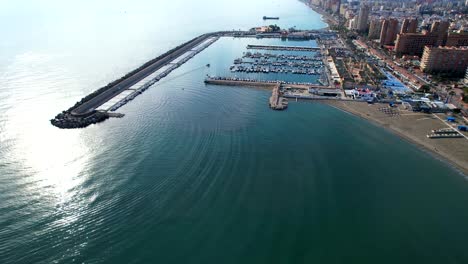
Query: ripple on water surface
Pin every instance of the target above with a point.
(206, 174)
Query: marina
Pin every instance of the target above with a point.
(282, 65)
(278, 63)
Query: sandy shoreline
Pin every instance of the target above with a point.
(412, 127)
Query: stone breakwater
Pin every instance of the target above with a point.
(86, 111)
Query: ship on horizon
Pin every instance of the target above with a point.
(266, 17)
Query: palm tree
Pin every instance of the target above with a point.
(425, 88)
(451, 93)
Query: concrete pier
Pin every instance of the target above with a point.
(278, 102)
(291, 48)
(240, 83)
(94, 107)
(281, 91)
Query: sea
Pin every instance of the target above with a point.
(197, 173)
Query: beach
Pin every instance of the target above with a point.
(412, 127)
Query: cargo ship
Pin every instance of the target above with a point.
(266, 17)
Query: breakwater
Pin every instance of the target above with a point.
(94, 107)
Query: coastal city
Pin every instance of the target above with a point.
(401, 64)
(216, 131)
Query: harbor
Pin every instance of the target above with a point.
(99, 105)
(291, 72)
(290, 64)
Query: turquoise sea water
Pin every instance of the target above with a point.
(196, 173)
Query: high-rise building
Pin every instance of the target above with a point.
(445, 59)
(343, 9)
(352, 23)
(466, 74)
(440, 28)
(457, 39)
(374, 28)
(335, 6)
(363, 17)
(383, 32)
(413, 25)
(409, 25)
(404, 26)
(389, 31)
(414, 43)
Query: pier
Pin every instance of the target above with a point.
(257, 83)
(282, 90)
(95, 107)
(290, 48)
(278, 102)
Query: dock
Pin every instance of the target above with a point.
(278, 102)
(281, 90)
(275, 47)
(257, 83)
(240, 82)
